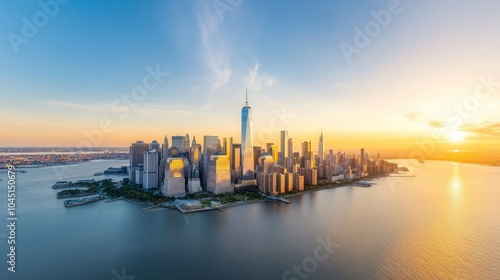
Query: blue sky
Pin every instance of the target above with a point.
(90, 53)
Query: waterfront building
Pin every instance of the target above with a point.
(288, 182)
(298, 182)
(175, 184)
(311, 176)
(219, 174)
(280, 183)
(137, 150)
(268, 183)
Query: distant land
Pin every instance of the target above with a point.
(464, 156)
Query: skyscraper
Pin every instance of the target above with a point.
(174, 184)
(219, 175)
(137, 150)
(210, 146)
(178, 142)
(156, 146)
(321, 148)
(150, 171)
(289, 157)
(247, 143)
(185, 146)
(283, 148)
(164, 148)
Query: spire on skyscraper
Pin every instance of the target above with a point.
(246, 100)
(321, 148)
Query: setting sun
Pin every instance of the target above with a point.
(456, 136)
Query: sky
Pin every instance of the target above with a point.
(390, 74)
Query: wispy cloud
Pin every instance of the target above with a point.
(257, 81)
(413, 116)
(437, 124)
(75, 106)
(155, 111)
(145, 109)
(482, 129)
(194, 89)
(212, 51)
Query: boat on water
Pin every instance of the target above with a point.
(284, 200)
(81, 201)
(365, 184)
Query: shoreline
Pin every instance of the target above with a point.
(322, 186)
(247, 202)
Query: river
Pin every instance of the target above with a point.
(442, 223)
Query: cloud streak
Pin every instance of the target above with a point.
(257, 81)
(212, 51)
(144, 109)
(482, 129)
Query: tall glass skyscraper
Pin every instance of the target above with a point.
(321, 148)
(248, 168)
(283, 148)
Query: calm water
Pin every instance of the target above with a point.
(442, 223)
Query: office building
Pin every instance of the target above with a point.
(321, 148)
(175, 183)
(178, 142)
(164, 148)
(219, 175)
(150, 173)
(137, 150)
(283, 152)
(247, 143)
(210, 147)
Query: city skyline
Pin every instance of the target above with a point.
(71, 80)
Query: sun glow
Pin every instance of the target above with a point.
(456, 136)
